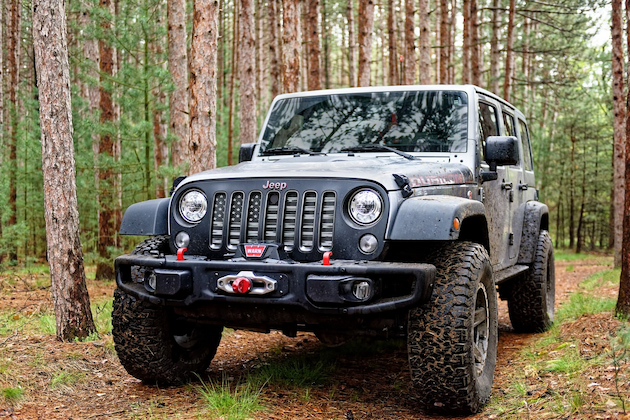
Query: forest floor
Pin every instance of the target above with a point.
(577, 370)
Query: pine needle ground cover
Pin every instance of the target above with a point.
(579, 369)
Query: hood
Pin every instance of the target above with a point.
(377, 169)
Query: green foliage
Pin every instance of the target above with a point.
(301, 371)
(231, 402)
(12, 395)
(66, 378)
(580, 304)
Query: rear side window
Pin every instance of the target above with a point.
(527, 148)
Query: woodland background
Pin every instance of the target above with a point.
(130, 94)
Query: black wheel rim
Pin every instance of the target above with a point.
(481, 329)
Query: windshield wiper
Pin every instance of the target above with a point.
(290, 150)
(378, 148)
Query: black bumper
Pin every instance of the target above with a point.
(314, 287)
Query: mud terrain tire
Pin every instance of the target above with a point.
(452, 341)
(152, 343)
(532, 298)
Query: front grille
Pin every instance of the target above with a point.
(306, 219)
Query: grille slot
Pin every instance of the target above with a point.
(327, 227)
(236, 216)
(289, 220)
(271, 217)
(253, 216)
(218, 220)
(307, 228)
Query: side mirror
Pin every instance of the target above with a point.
(246, 152)
(501, 150)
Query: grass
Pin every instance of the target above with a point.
(569, 255)
(300, 371)
(65, 378)
(231, 402)
(12, 395)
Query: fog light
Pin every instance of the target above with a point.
(182, 240)
(361, 290)
(152, 281)
(368, 243)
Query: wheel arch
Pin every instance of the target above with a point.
(146, 218)
(536, 219)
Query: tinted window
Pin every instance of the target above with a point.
(508, 123)
(416, 121)
(527, 148)
(487, 123)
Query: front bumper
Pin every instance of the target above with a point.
(313, 287)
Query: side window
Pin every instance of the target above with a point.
(508, 123)
(487, 124)
(527, 148)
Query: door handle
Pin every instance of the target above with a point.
(523, 187)
(506, 185)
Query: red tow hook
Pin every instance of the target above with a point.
(180, 254)
(326, 259)
(242, 285)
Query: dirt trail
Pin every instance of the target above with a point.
(372, 386)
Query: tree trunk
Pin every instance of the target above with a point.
(352, 48)
(274, 48)
(247, 72)
(623, 301)
(14, 29)
(572, 193)
(65, 256)
(410, 44)
(495, 52)
(326, 44)
(203, 86)
(475, 45)
(290, 46)
(178, 67)
(366, 23)
(232, 99)
(466, 42)
(425, 42)
(392, 73)
(509, 55)
(2, 108)
(106, 196)
(312, 45)
(444, 31)
(619, 128)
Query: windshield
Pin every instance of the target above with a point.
(411, 121)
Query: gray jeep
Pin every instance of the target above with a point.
(376, 212)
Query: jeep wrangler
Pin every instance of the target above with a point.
(373, 212)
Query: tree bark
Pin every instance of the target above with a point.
(312, 45)
(619, 128)
(65, 256)
(14, 29)
(444, 30)
(2, 108)
(466, 42)
(352, 48)
(203, 86)
(290, 46)
(274, 48)
(509, 55)
(425, 42)
(410, 44)
(366, 23)
(495, 52)
(623, 300)
(475, 45)
(392, 72)
(178, 68)
(106, 196)
(247, 72)
(234, 70)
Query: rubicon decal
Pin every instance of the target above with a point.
(255, 251)
(275, 185)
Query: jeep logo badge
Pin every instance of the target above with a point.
(275, 185)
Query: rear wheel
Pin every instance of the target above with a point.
(452, 343)
(531, 299)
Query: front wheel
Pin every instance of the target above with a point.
(452, 343)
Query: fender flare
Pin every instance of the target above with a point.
(536, 217)
(146, 218)
(430, 218)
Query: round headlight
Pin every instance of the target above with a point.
(193, 206)
(365, 207)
